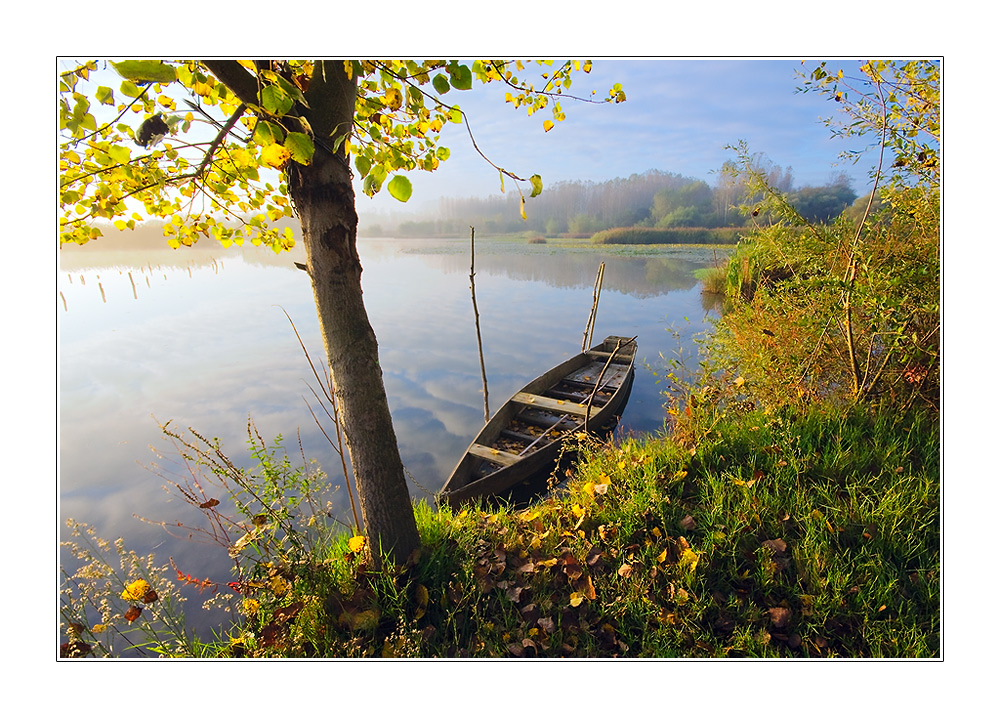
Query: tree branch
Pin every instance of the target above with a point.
(226, 128)
(236, 77)
(520, 88)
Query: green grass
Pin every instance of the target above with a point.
(785, 535)
(713, 278)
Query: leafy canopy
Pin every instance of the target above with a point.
(901, 100)
(174, 142)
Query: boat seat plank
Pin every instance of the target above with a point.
(544, 402)
(497, 456)
(620, 358)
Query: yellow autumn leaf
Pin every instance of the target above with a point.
(356, 544)
(241, 157)
(588, 488)
(524, 216)
(422, 597)
(575, 599)
(689, 560)
(548, 125)
(204, 89)
(275, 155)
(136, 590)
(393, 98)
(279, 586)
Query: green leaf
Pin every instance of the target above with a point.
(536, 185)
(301, 146)
(275, 100)
(443, 153)
(105, 95)
(292, 90)
(120, 153)
(441, 84)
(461, 77)
(129, 89)
(145, 70)
(267, 133)
(363, 164)
(400, 188)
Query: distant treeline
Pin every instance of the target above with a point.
(668, 235)
(652, 200)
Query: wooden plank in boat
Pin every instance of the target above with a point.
(544, 402)
(620, 357)
(613, 377)
(495, 455)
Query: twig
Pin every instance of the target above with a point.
(598, 284)
(850, 273)
(331, 397)
(479, 338)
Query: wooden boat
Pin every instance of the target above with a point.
(523, 439)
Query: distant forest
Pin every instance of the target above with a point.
(653, 199)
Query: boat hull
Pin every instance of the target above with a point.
(526, 436)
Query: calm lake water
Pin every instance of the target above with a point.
(198, 337)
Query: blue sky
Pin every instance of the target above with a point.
(679, 116)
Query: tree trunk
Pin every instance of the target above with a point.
(324, 198)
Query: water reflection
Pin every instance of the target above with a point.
(202, 342)
(638, 272)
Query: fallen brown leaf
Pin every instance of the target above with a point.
(776, 545)
(779, 616)
(586, 587)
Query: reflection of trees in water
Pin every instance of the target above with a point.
(638, 276)
(636, 271)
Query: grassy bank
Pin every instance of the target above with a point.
(744, 534)
(675, 235)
